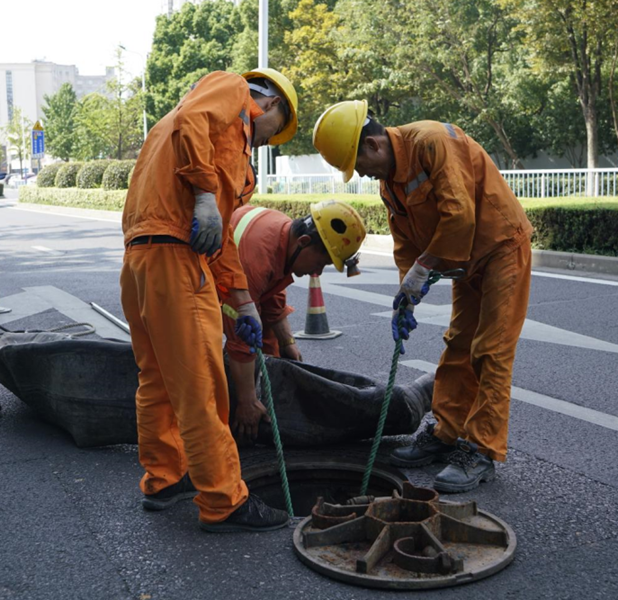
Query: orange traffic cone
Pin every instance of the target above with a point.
(316, 323)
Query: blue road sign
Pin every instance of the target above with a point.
(38, 143)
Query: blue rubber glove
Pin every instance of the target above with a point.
(249, 326)
(408, 322)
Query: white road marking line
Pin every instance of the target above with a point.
(60, 214)
(569, 409)
(37, 299)
(440, 314)
(46, 249)
(575, 278)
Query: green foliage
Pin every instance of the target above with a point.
(47, 176)
(116, 176)
(94, 136)
(16, 134)
(67, 175)
(60, 131)
(587, 231)
(192, 42)
(131, 174)
(74, 197)
(91, 174)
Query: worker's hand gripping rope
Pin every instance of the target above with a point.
(230, 312)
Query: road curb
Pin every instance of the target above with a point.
(570, 261)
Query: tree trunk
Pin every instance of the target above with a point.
(612, 100)
(506, 144)
(592, 143)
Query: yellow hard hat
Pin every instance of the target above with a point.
(337, 132)
(287, 89)
(342, 231)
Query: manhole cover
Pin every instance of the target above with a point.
(408, 541)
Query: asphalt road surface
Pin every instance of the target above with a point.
(71, 523)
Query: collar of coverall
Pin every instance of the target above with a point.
(402, 160)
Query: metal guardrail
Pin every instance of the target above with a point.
(537, 183)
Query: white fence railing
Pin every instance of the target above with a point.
(540, 183)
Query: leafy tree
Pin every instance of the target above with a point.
(466, 51)
(186, 46)
(17, 135)
(571, 36)
(126, 110)
(313, 66)
(59, 114)
(94, 133)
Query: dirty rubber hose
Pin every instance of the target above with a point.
(230, 312)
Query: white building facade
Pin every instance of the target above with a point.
(25, 85)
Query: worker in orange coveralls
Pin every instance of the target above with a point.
(188, 180)
(272, 248)
(449, 207)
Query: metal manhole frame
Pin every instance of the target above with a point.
(376, 582)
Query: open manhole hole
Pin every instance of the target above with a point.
(311, 478)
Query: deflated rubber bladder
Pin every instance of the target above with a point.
(87, 387)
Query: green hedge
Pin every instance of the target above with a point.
(90, 175)
(373, 213)
(588, 228)
(586, 231)
(74, 197)
(47, 177)
(116, 175)
(67, 174)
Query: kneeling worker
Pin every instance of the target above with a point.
(272, 248)
(449, 207)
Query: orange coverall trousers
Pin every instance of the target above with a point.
(170, 301)
(472, 390)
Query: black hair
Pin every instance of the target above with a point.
(372, 129)
(305, 226)
(283, 106)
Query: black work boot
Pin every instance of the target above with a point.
(467, 468)
(253, 515)
(170, 495)
(425, 449)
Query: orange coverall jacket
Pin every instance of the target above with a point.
(204, 142)
(263, 252)
(446, 197)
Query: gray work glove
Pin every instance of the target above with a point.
(414, 285)
(207, 225)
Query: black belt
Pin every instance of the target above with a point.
(155, 239)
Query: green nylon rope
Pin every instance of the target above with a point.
(270, 407)
(276, 437)
(382, 420)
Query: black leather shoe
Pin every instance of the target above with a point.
(168, 496)
(253, 515)
(425, 449)
(467, 468)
